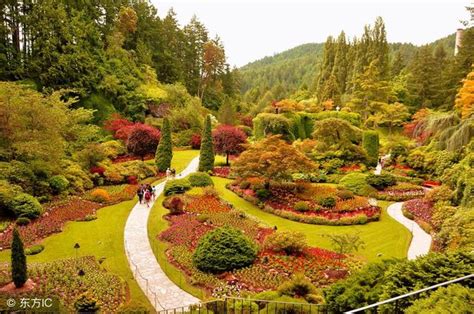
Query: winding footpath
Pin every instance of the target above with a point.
(159, 289)
(421, 241)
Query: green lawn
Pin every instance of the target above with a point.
(386, 236)
(102, 238)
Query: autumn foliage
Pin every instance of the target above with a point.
(228, 140)
(142, 140)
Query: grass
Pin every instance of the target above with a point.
(386, 237)
(102, 238)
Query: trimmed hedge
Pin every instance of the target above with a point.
(356, 182)
(177, 186)
(370, 142)
(26, 205)
(380, 181)
(224, 249)
(34, 249)
(200, 179)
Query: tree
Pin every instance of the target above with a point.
(164, 152)
(206, 157)
(465, 97)
(346, 243)
(228, 140)
(370, 142)
(394, 115)
(272, 159)
(18, 258)
(143, 140)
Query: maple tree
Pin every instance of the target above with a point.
(465, 97)
(228, 140)
(142, 140)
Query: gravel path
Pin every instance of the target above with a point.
(160, 290)
(421, 241)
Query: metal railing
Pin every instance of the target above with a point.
(233, 305)
(396, 300)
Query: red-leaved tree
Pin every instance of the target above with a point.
(195, 141)
(228, 140)
(119, 126)
(142, 140)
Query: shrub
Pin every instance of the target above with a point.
(370, 142)
(356, 183)
(292, 305)
(451, 297)
(7, 193)
(34, 249)
(345, 195)
(244, 185)
(18, 259)
(298, 286)
(301, 206)
(262, 194)
(289, 242)
(164, 151)
(25, 205)
(86, 304)
(58, 183)
(206, 159)
(22, 221)
(89, 218)
(195, 141)
(327, 201)
(175, 205)
(100, 196)
(177, 186)
(243, 307)
(380, 181)
(224, 249)
(440, 193)
(200, 179)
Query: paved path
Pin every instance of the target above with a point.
(160, 290)
(421, 241)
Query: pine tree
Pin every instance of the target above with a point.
(206, 159)
(19, 269)
(164, 151)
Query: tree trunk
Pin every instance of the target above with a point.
(227, 159)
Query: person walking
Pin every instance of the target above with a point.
(168, 173)
(140, 194)
(147, 197)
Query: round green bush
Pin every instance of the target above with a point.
(34, 249)
(200, 179)
(262, 194)
(26, 205)
(356, 183)
(345, 194)
(327, 201)
(301, 206)
(58, 183)
(381, 181)
(177, 186)
(224, 249)
(22, 221)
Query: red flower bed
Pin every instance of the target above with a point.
(221, 172)
(97, 169)
(420, 208)
(185, 230)
(52, 221)
(206, 204)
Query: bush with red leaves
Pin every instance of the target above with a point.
(195, 141)
(143, 140)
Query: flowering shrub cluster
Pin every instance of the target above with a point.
(420, 209)
(206, 212)
(223, 172)
(401, 192)
(60, 279)
(52, 221)
(285, 201)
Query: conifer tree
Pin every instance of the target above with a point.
(164, 151)
(206, 159)
(18, 258)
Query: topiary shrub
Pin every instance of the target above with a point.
(100, 196)
(58, 184)
(18, 261)
(381, 181)
(298, 286)
(289, 242)
(301, 206)
(86, 304)
(22, 221)
(34, 249)
(370, 142)
(345, 194)
(164, 151)
(206, 158)
(200, 179)
(224, 249)
(327, 201)
(177, 186)
(25, 205)
(356, 183)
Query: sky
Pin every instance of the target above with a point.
(253, 29)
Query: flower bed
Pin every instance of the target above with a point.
(420, 209)
(282, 202)
(401, 192)
(269, 270)
(52, 221)
(223, 172)
(60, 279)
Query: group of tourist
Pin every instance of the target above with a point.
(146, 193)
(170, 173)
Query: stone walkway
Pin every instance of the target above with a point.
(421, 241)
(160, 290)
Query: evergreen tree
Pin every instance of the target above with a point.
(164, 151)
(423, 79)
(18, 258)
(206, 159)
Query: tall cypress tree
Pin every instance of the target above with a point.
(164, 151)
(206, 159)
(19, 270)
